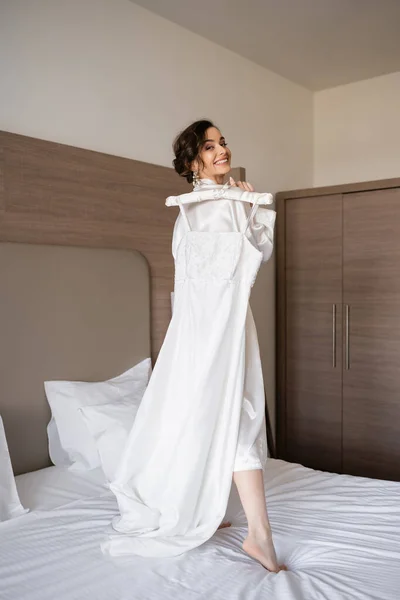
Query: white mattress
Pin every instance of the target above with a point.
(339, 535)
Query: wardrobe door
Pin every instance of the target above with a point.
(371, 377)
(313, 263)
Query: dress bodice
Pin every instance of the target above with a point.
(216, 256)
(223, 214)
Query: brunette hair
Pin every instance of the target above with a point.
(187, 146)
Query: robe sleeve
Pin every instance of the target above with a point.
(262, 231)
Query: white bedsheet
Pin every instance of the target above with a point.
(339, 535)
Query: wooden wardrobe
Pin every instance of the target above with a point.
(338, 334)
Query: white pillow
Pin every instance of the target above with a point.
(110, 425)
(67, 397)
(10, 505)
(58, 455)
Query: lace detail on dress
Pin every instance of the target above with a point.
(208, 256)
(253, 279)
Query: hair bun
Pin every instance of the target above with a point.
(187, 146)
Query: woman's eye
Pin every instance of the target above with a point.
(224, 144)
(209, 148)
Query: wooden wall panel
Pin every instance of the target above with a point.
(56, 194)
(2, 195)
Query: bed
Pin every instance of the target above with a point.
(76, 312)
(339, 535)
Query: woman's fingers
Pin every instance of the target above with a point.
(243, 185)
(236, 183)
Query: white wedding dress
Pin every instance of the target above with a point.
(202, 416)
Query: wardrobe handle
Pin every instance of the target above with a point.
(334, 336)
(347, 337)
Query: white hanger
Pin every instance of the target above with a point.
(229, 193)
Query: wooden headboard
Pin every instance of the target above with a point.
(68, 313)
(56, 194)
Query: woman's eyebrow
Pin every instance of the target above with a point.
(213, 141)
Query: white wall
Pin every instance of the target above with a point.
(357, 131)
(110, 76)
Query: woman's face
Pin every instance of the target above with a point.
(215, 157)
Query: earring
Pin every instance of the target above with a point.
(196, 179)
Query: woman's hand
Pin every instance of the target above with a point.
(243, 185)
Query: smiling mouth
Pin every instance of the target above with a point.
(222, 161)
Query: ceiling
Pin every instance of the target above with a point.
(316, 43)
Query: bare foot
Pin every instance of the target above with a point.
(224, 524)
(261, 547)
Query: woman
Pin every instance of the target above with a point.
(202, 417)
